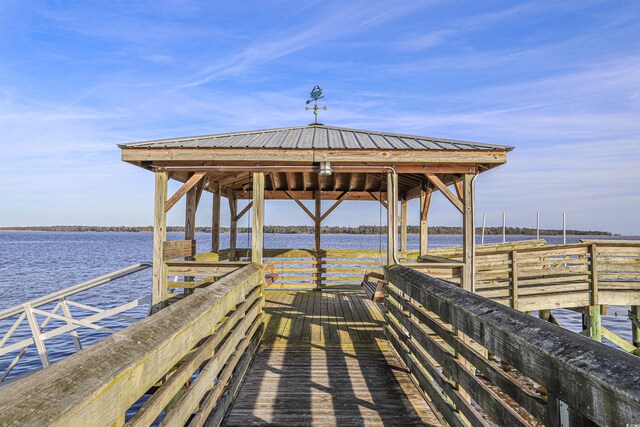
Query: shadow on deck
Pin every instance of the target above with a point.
(324, 360)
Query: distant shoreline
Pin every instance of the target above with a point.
(304, 229)
(310, 234)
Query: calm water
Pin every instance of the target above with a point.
(36, 264)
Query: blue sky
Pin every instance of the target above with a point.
(558, 80)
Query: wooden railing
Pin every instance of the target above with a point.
(194, 274)
(558, 276)
(306, 268)
(189, 357)
(482, 363)
(53, 315)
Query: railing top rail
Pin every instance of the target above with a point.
(544, 248)
(432, 259)
(612, 242)
(101, 280)
(601, 382)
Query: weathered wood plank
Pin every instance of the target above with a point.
(328, 386)
(591, 374)
(169, 389)
(178, 249)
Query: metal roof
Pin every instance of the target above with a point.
(316, 137)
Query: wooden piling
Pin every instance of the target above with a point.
(233, 226)
(391, 220)
(635, 325)
(592, 322)
(317, 244)
(215, 219)
(159, 276)
(191, 207)
(257, 232)
(403, 228)
(425, 201)
(469, 233)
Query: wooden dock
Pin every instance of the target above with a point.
(453, 343)
(325, 361)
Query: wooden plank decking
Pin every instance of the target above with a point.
(325, 361)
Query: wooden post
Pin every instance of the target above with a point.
(159, 277)
(233, 227)
(468, 234)
(257, 232)
(403, 228)
(591, 319)
(190, 225)
(425, 200)
(593, 255)
(635, 325)
(592, 322)
(468, 249)
(514, 279)
(317, 229)
(391, 220)
(215, 220)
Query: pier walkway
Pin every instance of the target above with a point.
(450, 339)
(234, 353)
(325, 361)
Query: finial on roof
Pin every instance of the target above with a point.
(316, 93)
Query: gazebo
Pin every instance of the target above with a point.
(315, 162)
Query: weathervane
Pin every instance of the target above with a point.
(316, 93)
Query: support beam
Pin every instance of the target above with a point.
(245, 210)
(468, 234)
(447, 193)
(275, 181)
(307, 195)
(215, 219)
(190, 222)
(459, 190)
(199, 190)
(317, 230)
(403, 226)
(159, 276)
(382, 202)
(233, 226)
(332, 208)
(257, 232)
(304, 208)
(425, 201)
(391, 223)
(191, 182)
(288, 179)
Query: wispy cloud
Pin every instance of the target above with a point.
(558, 81)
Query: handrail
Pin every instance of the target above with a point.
(63, 293)
(593, 380)
(28, 312)
(211, 335)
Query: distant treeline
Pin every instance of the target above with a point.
(308, 229)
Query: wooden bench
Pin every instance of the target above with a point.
(374, 289)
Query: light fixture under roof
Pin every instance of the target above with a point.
(325, 169)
